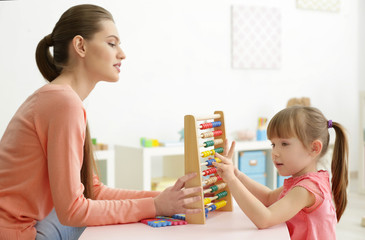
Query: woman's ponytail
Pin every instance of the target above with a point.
(44, 59)
(339, 168)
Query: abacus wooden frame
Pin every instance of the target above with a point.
(193, 163)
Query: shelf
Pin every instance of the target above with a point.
(133, 164)
(108, 172)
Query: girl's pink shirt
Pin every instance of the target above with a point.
(41, 155)
(318, 221)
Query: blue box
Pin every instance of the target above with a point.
(280, 180)
(261, 135)
(252, 162)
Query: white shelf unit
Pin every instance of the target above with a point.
(362, 143)
(109, 157)
(133, 164)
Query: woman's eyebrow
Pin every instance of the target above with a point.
(113, 36)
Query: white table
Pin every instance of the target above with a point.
(219, 225)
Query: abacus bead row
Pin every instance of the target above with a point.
(210, 161)
(210, 125)
(212, 180)
(215, 206)
(209, 171)
(212, 142)
(215, 188)
(211, 152)
(218, 196)
(211, 134)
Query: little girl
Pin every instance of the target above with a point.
(299, 137)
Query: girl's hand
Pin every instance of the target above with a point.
(226, 168)
(173, 199)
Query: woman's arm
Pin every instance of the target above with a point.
(102, 192)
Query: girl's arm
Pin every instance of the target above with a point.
(261, 215)
(261, 192)
(279, 212)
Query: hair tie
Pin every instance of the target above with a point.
(329, 124)
(48, 40)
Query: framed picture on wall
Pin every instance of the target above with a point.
(256, 37)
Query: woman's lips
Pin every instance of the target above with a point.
(117, 66)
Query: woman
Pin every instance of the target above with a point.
(46, 159)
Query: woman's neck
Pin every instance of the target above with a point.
(78, 82)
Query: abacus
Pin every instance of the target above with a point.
(204, 136)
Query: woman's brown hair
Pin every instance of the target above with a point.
(309, 124)
(83, 20)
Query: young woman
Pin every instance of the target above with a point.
(299, 137)
(46, 159)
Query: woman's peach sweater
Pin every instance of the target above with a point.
(41, 156)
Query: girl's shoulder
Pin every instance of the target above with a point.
(320, 176)
(314, 182)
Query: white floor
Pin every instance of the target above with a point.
(349, 227)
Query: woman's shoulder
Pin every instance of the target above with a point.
(57, 96)
(57, 99)
(55, 91)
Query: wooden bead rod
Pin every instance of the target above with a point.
(207, 117)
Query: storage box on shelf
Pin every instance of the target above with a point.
(253, 164)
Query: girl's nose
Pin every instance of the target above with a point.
(274, 154)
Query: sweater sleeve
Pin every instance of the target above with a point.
(61, 122)
(103, 192)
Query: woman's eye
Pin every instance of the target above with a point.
(111, 44)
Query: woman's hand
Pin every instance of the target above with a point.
(226, 169)
(173, 199)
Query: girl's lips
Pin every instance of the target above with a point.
(278, 164)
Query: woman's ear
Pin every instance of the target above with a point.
(78, 44)
(316, 147)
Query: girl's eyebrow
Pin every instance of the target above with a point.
(113, 36)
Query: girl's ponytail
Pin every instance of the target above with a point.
(44, 59)
(339, 168)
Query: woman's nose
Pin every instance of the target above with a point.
(121, 54)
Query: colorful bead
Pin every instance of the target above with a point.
(209, 171)
(210, 125)
(221, 194)
(219, 150)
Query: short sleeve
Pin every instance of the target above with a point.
(312, 187)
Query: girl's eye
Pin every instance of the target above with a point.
(272, 145)
(284, 144)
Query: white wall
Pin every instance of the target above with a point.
(362, 45)
(179, 62)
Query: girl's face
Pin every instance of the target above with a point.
(103, 53)
(291, 158)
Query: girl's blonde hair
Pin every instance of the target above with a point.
(309, 124)
(84, 20)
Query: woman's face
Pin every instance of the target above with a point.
(103, 53)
